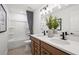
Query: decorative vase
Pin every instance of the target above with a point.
(54, 31)
(50, 33)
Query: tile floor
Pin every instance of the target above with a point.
(20, 51)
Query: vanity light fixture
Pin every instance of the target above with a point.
(44, 10)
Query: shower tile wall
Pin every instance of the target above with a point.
(18, 27)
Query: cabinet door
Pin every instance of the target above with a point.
(44, 52)
(35, 46)
(52, 50)
(37, 49)
(32, 47)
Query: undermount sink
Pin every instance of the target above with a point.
(73, 38)
(59, 41)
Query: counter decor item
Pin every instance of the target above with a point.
(55, 24)
(52, 24)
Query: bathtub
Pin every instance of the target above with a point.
(13, 43)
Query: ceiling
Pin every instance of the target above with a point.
(25, 6)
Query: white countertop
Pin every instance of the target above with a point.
(71, 45)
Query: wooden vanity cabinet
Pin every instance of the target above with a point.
(42, 48)
(51, 50)
(35, 46)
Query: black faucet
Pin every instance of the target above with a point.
(44, 32)
(63, 36)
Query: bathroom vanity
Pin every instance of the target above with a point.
(41, 48)
(42, 45)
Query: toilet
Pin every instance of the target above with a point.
(28, 44)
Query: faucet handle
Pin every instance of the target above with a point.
(66, 33)
(62, 34)
(44, 32)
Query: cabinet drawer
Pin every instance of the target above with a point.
(35, 40)
(52, 50)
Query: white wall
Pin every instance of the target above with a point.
(69, 15)
(65, 14)
(4, 39)
(37, 20)
(70, 18)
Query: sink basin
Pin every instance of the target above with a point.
(73, 38)
(59, 41)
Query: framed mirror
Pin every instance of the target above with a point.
(3, 19)
(60, 24)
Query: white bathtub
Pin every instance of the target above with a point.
(13, 43)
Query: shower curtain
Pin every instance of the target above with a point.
(30, 20)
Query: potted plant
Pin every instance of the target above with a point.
(52, 24)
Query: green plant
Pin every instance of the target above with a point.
(52, 22)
